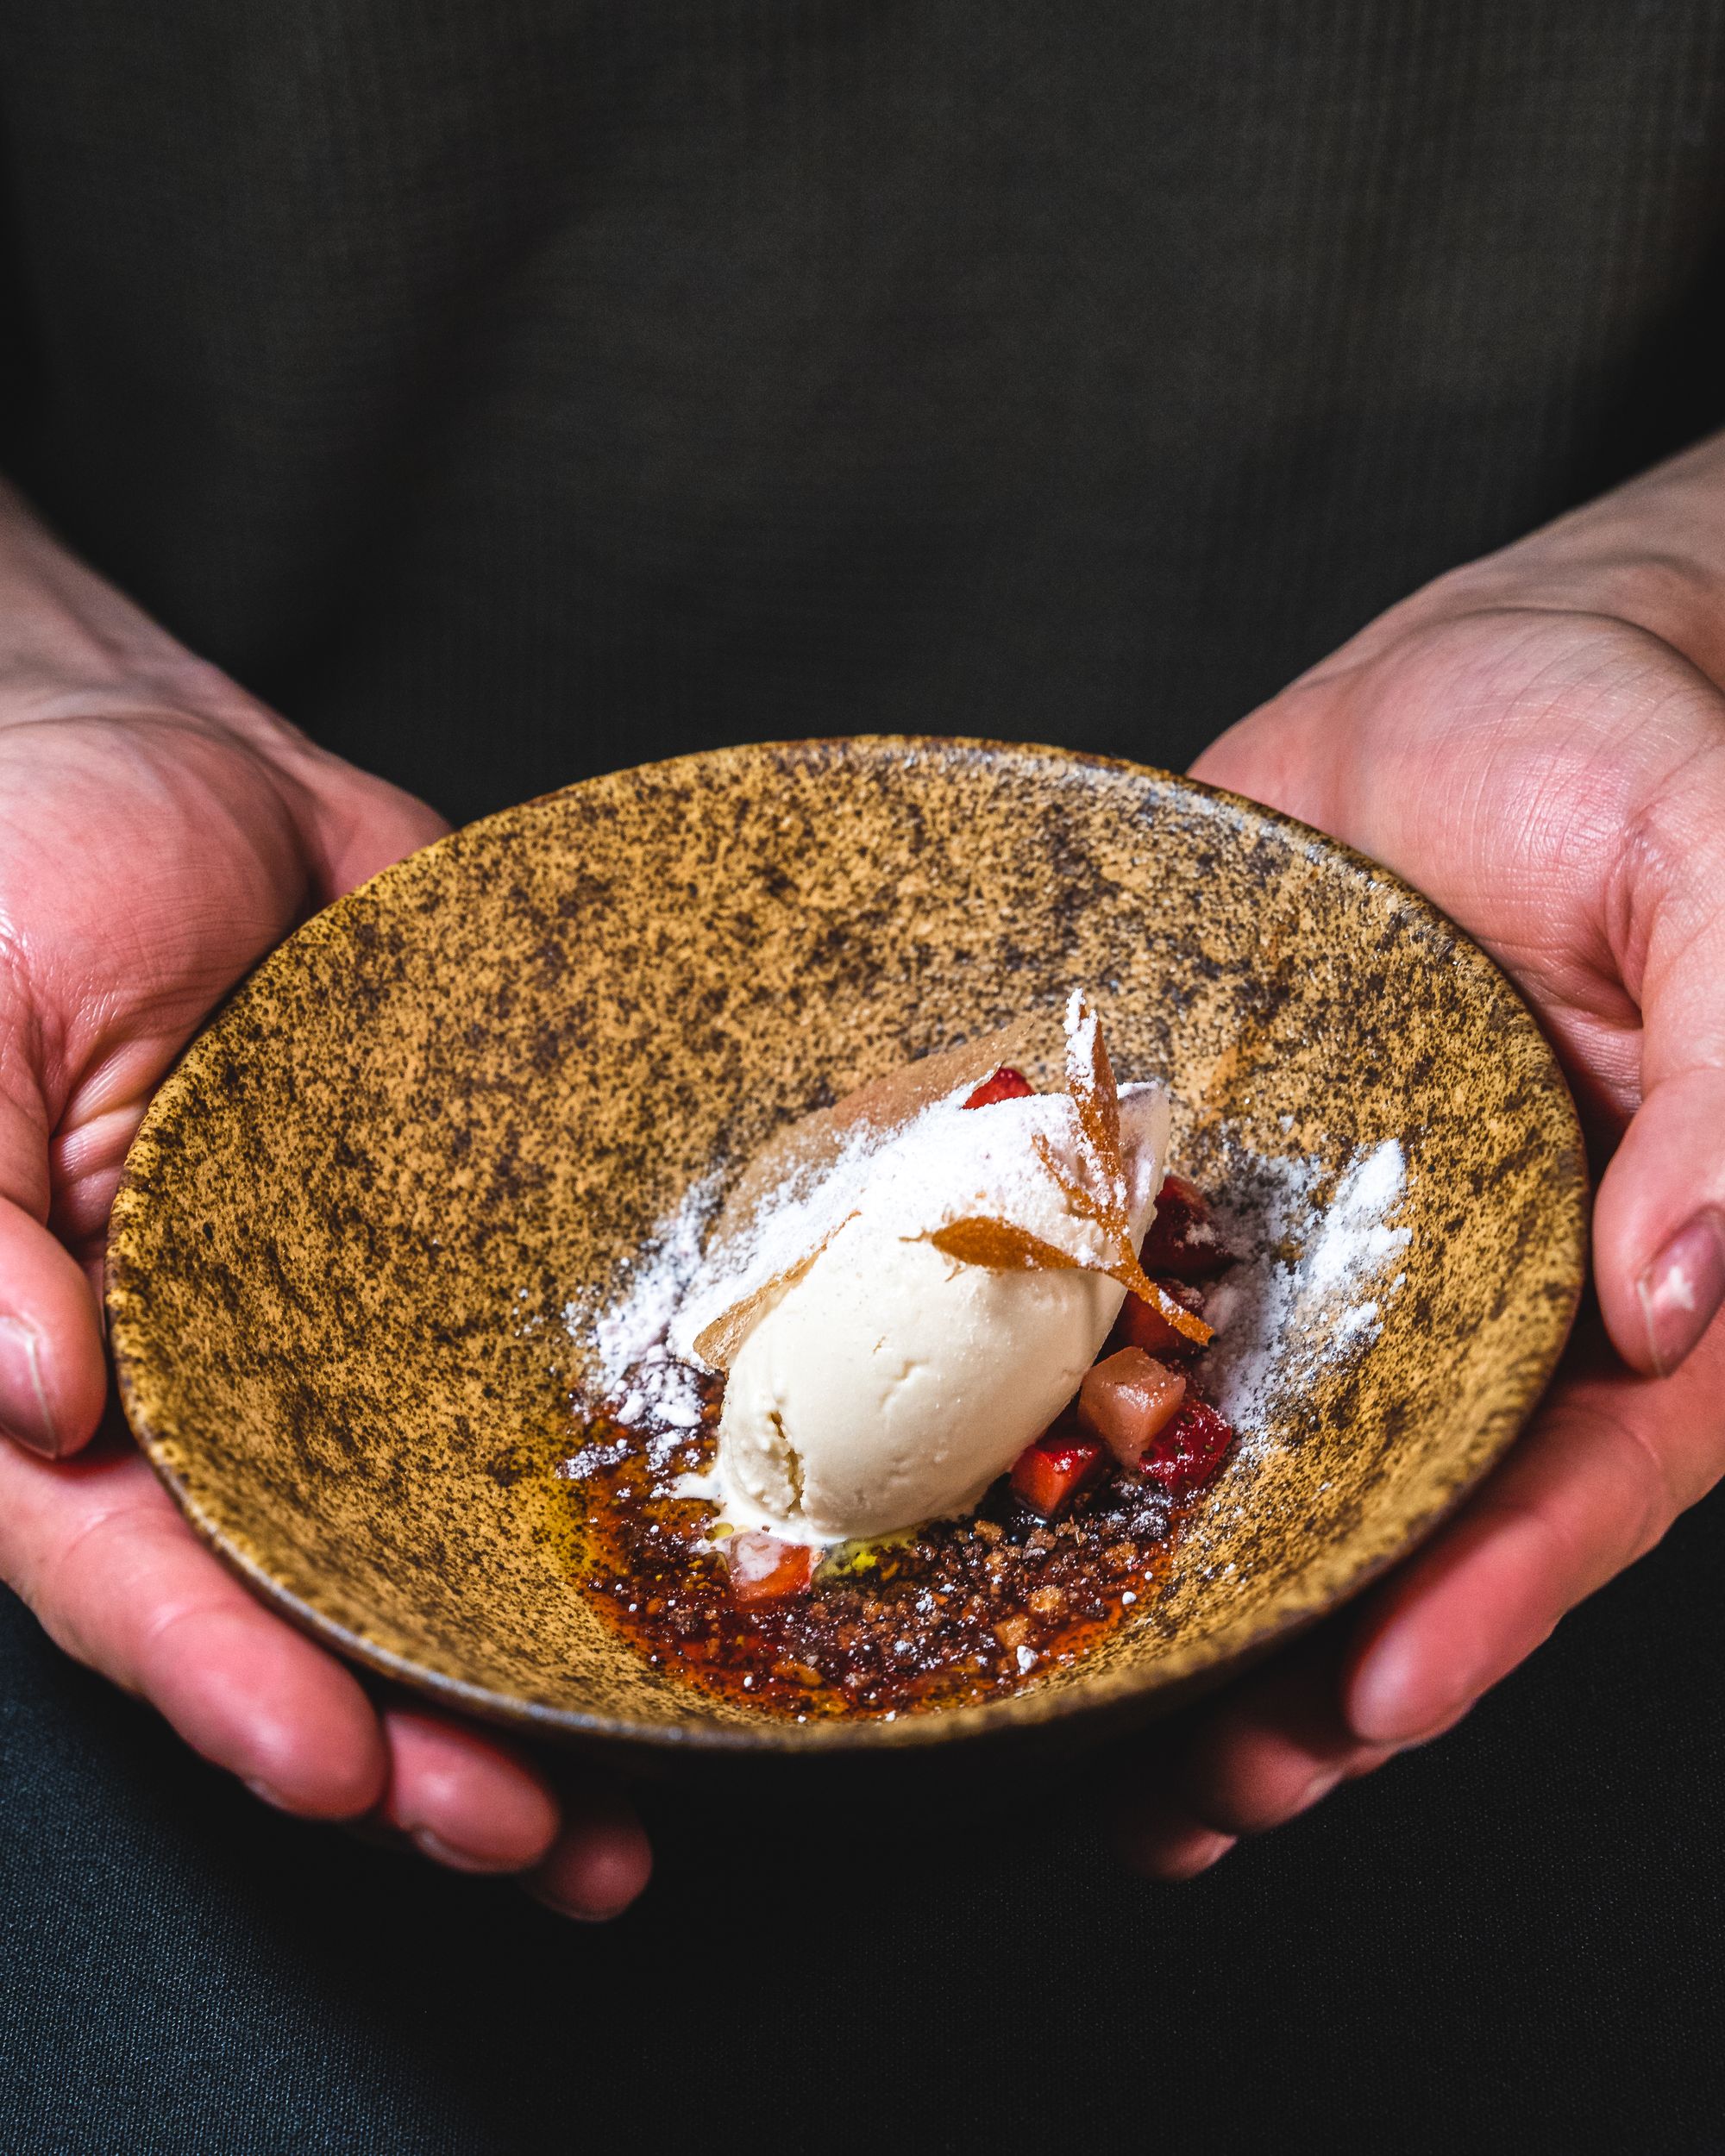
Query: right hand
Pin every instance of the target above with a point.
(159, 832)
(1537, 741)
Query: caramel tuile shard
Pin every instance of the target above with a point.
(1090, 1080)
(1100, 1197)
(716, 1343)
(1096, 1192)
(1000, 1247)
(1182, 1319)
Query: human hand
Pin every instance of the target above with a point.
(159, 832)
(1538, 742)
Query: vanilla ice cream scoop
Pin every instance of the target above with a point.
(899, 1322)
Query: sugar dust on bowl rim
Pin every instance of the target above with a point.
(405, 1233)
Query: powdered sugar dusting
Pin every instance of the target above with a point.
(1046, 1166)
(1356, 1241)
(1309, 1290)
(1317, 1265)
(622, 1341)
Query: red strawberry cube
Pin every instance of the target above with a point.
(1189, 1449)
(764, 1571)
(1051, 1475)
(1140, 1325)
(1007, 1084)
(1182, 1238)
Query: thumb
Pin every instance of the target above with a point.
(358, 824)
(52, 1369)
(1282, 755)
(1660, 1222)
(52, 1376)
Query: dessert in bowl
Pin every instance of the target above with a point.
(393, 1249)
(920, 1424)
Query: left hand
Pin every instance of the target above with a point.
(1538, 742)
(159, 831)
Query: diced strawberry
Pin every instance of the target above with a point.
(1189, 1449)
(1050, 1474)
(1126, 1400)
(764, 1570)
(1142, 1325)
(1007, 1084)
(1182, 1238)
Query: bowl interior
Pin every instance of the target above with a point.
(466, 1096)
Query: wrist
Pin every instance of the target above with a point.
(1625, 577)
(73, 647)
(1650, 554)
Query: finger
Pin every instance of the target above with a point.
(96, 1549)
(465, 1798)
(1269, 1748)
(52, 1377)
(601, 1860)
(1164, 1842)
(1276, 1744)
(1608, 1465)
(1660, 1222)
(1591, 861)
(1278, 754)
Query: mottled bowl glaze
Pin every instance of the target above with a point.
(355, 1212)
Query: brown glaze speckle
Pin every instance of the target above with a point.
(355, 1212)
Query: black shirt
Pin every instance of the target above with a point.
(512, 390)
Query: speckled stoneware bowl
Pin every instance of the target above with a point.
(466, 1094)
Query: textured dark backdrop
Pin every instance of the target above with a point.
(513, 390)
(517, 389)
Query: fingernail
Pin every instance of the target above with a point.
(1682, 1289)
(266, 1794)
(1315, 1790)
(440, 1851)
(1165, 1841)
(565, 1908)
(1392, 1700)
(1195, 1858)
(24, 1408)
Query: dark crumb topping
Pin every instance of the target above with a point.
(956, 1611)
(1060, 1552)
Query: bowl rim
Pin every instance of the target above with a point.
(1136, 1693)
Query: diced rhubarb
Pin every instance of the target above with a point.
(1007, 1084)
(1141, 1325)
(1126, 1400)
(1050, 1474)
(764, 1570)
(1182, 1238)
(1189, 1450)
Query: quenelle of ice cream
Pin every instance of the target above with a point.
(912, 1289)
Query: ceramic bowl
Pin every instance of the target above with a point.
(463, 1097)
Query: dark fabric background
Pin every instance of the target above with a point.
(511, 389)
(1511, 1942)
(516, 390)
